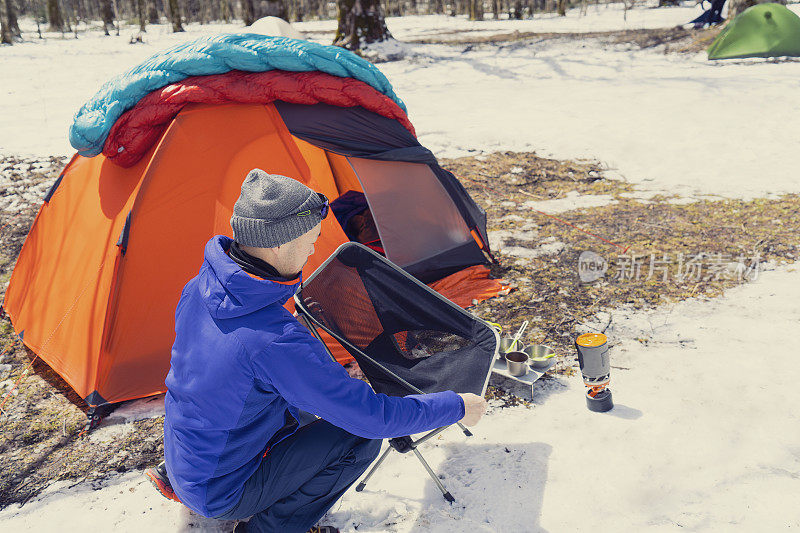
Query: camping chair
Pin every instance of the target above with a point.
(406, 337)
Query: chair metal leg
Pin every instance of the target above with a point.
(445, 492)
(372, 470)
(429, 435)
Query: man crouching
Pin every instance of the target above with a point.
(243, 367)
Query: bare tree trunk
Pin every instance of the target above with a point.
(116, 15)
(107, 15)
(5, 31)
(71, 21)
(185, 10)
(360, 22)
(562, 8)
(12, 25)
(248, 12)
(139, 5)
(475, 9)
(89, 11)
(65, 15)
(38, 15)
(279, 9)
(175, 16)
(152, 12)
(54, 16)
(80, 10)
(627, 5)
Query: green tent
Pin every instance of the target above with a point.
(763, 30)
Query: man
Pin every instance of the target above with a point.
(243, 367)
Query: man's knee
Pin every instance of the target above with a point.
(363, 451)
(372, 447)
(352, 447)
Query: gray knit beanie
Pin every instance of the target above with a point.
(273, 210)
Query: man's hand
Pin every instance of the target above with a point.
(474, 407)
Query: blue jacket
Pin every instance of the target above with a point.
(241, 368)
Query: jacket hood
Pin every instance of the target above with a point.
(228, 291)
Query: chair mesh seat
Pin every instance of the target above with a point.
(396, 327)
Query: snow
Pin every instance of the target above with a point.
(274, 26)
(127, 503)
(151, 407)
(667, 123)
(546, 246)
(572, 200)
(705, 433)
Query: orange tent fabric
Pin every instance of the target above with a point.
(98, 279)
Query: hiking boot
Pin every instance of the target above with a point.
(158, 477)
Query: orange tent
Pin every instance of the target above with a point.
(98, 279)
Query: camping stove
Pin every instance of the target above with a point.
(595, 366)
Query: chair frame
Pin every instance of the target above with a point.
(400, 444)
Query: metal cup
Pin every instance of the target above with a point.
(538, 354)
(517, 363)
(505, 344)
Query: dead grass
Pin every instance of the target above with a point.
(674, 40)
(549, 291)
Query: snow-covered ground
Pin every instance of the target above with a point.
(670, 123)
(705, 434)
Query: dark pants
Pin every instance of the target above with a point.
(302, 477)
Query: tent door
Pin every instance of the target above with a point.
(420, 227)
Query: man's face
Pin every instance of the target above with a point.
(293, 255)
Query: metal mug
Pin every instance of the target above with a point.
(540, 355)
(517, 363)
(505, 344)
